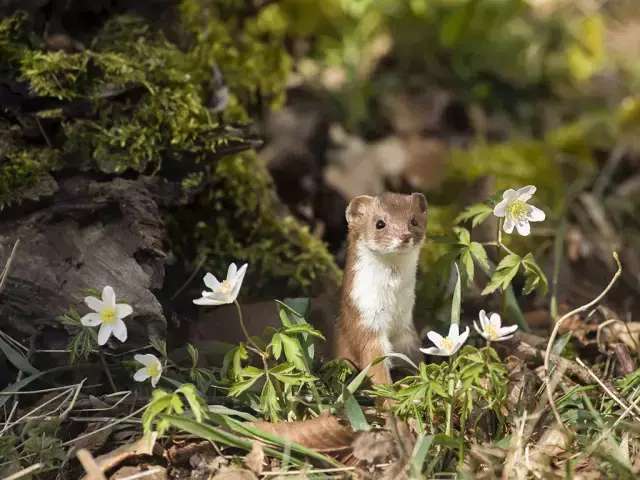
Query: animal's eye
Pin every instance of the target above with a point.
(414, 222)
(380, 224)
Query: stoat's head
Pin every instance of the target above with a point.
(389, 223)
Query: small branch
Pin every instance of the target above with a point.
(607, 390)
(7, 267)
(24, 472)
(582, 308)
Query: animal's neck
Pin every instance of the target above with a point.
(380, 287)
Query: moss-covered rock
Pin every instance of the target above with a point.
(141, 97)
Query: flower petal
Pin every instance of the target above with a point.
(209, 301)
(509, 195)
(108, 297)
(483, 318)
(434, 351)
(154, 380)
(495, 320)
(535, 214)
(523, 228)
(435, 338)
(238, 281)
(93, 303)
(120, 331)
(104, 333)
(454, 332)
(500, 210)
(145, 359)
(461, 340)
(525, 193)
(91, 320)
(123, 310)
(508, 225)
(504, 338)
(211, 281)
(479, 330)
(141, 375)
(508, 330)
(231, 272)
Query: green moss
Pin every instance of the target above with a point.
(149, 112)
(240, 223)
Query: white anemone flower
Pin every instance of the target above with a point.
(222, 292)
(108, 314)
(447, 346)
(516, 211)
(491, 327)
(152, 368)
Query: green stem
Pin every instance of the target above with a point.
(449, 411)
(244, 329)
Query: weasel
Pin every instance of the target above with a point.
(377, 298)
(378, 290)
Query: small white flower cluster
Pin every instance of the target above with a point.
(109, 315)
(490, 329)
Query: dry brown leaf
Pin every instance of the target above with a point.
(373, 447)
(254, 460)
(143, 446)
(324, 433)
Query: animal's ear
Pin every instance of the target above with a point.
(356, 207)
(419, 201)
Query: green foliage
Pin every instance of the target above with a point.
(479, 382)
(275, 389)
(83, 340)
(507, 269)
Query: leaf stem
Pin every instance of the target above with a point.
(244, 328)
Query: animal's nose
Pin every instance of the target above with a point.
(406, 237)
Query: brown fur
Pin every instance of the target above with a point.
(354, 341)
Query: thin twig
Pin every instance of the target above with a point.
(7, 267)
(582, 308)
(607, 390)
(110, 425)
(24, 472)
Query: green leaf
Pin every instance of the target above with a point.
(241, 386)
(353, 412)
(504, 273)
(463, 235)
(477, 213)
(467, 263)
(419, 455)
(276, 346)
(269, 401)
(16, 358)
(193, 353)
(293, 352)
(535, 277)
(479, 254)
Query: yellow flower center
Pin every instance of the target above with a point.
(153, 370)
(108, 315)
(491, 332)
(447, 344)
(518, 210)
(226, 287)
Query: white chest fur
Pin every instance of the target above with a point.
(383, 289)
